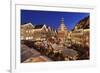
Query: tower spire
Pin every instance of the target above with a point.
(62, 20)
(62, 30)
(62, 25)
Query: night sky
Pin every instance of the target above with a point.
(52, 18)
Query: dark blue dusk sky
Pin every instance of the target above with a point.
(52, 18)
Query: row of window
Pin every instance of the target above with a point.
(26, 38)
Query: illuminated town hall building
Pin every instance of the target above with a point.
(62, 30)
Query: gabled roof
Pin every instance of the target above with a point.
(28, 26)
(38, 26)
(83, 23)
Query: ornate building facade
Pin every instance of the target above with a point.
(81, 33)
(26, 31)
(62, 30)
(30, 32)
